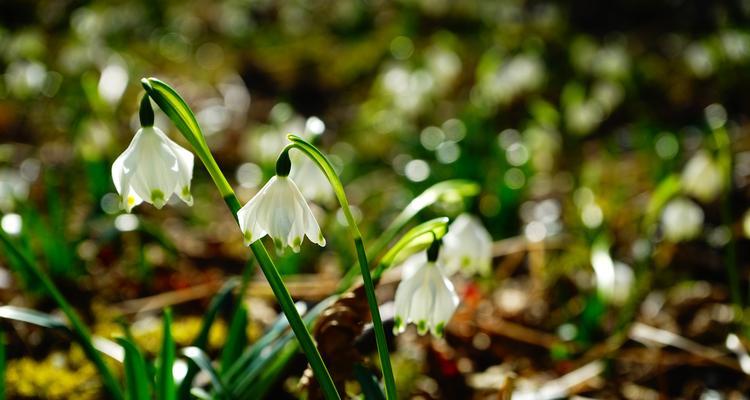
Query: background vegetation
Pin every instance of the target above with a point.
(576, 119)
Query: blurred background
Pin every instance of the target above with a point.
(605, 136)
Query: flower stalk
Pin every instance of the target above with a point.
(382, 344)
(182, 116)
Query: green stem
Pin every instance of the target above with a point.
(182, 116)
(287, 306)
(382, 344)
(78, 328)
(724, 148)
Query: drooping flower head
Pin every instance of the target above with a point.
(280, 211)
(426, 298)
(467, 247)
(153, 167)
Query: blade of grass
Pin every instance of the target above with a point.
(369, 383)
(274, 347)
(82, 335)
(217, 302)
(236, 338)
(166, 389)
(32, 317)
(136, 380)
(200, 358)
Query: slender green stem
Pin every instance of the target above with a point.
(78, 328)
(182, 116)
(287, 306)
(724, 147)
(382, 344)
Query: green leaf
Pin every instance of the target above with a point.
(274, 346)
(136, 380)
(236, 339)
(166, 389)
(217, 302)
(32, 317)
(369, 382)
(200, 359)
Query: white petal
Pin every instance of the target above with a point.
(122, 180)
(310, 226)
(411, 265)
(467, 247)
(421, 306)
(446, 301)
(154, 168)
(185, 161)
(248, 219)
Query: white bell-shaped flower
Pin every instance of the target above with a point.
(467, 247)
(426, 298)
(681, 220)
(280, 211)
(152, 168)
(702, 177)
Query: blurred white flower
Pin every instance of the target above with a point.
(152, 168)
(313, 183)
(702, 177)
(614, 279)
(280, 211)
(426, 298)
(681, 220)
(467, 247)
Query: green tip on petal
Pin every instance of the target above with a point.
(422, 327)
(157, 198)
(398, 325)
(440, 329)
(248, 236)
(465, 261)
(297, 242)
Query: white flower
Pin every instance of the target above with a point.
(681, 220)
(702, 177)
(467, 247)
(152, 168)
(280, 211)
(313, 183)
(614, 279)
(426, 298)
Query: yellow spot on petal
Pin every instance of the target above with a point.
(131, 200)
